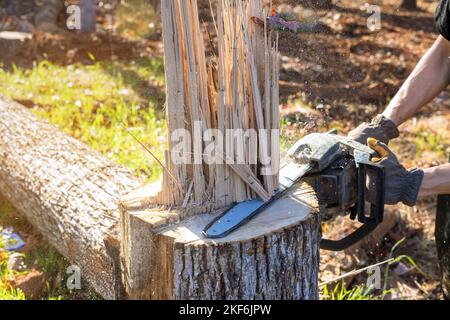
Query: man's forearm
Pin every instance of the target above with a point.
(429, 78)
(436, 181)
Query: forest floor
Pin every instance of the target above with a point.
(336, 78)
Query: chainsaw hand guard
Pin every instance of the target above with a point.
(358, 210)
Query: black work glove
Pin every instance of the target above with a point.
(381, 128)
(401, 185)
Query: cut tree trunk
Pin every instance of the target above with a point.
(67, 191)
(274, 256)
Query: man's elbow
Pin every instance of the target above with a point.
(444, 46)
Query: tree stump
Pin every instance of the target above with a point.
(88, 16)
(274, 256)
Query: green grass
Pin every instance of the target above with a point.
(363, 292)
(430, 140)
(47, 259)
(340, 292)
(7, 292)
(94, 103)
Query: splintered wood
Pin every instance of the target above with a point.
(222, 110)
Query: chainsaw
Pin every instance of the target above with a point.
(337, 168)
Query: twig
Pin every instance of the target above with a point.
(354, 272)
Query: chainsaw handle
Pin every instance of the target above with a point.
(370, 222)
(349, 240)
(376, 209)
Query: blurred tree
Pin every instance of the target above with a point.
(156, 4)
(88, 16)
(409, 4)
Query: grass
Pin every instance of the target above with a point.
(7, 291)
(430, 140)
(94, 103)
(364, 292)
(340, 292)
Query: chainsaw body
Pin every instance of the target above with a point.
(338, 172)
(337, 168)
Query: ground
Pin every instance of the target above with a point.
(335, 78)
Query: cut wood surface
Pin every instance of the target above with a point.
(67, 191)
(274, 256)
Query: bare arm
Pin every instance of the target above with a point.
(428, 79)
(436, 181)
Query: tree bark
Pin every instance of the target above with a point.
(67, 191)
(274, 256)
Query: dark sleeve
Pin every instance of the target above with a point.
(443, 18)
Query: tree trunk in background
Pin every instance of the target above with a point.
(67, 191)
(88, 16)
(409, 4)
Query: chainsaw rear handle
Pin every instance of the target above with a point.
(349, 240)
(370, 222)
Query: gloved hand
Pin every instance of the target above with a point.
(381, 128)
(401, 185)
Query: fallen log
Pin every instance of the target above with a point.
(274, 256)
(67, 191)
